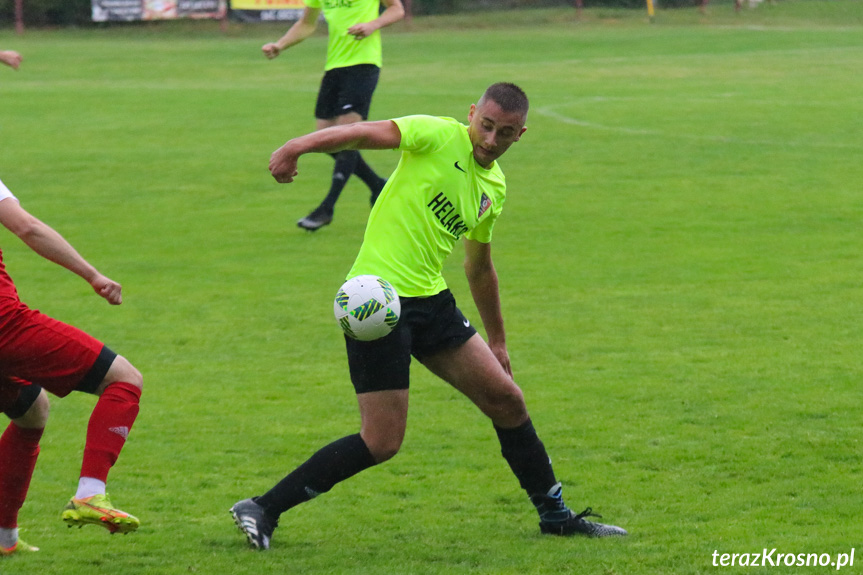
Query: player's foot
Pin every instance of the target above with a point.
(19, 547)
(558, 519)
(97, 510)
(254, 522)
(319, 218)
(576, 524)
(377, 191)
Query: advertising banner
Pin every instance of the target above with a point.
(129, 10)
(266, 10)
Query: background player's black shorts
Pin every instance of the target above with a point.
(427, 325)
(345, 90)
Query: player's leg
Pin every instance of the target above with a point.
(344, 98)
(350, 162)
(61, 359)
(258, 517)
(342, 170)
(473, 369)
(119, 393)
(112, 418)
(345, 165)
(19, 449)
(326, 115)
(384, 416)
(358, 87)
(380, 372)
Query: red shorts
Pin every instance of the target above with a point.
(35, 348)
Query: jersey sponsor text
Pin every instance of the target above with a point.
(445, 212)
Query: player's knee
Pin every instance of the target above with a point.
(505, 406)
(123, 370)
(35, 413)
(383, 447)
(40, 410)
(135, 378)
(385, 452)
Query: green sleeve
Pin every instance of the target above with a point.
(423, 134)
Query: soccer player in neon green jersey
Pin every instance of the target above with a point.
(447, 186)
(354, 59)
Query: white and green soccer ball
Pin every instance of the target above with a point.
(367, 307)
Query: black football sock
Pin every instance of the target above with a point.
(346, 162)
(336, 462)
(369, 177)
(527, 458)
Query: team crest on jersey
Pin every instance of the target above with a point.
(484, 205)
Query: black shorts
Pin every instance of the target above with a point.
(427, 325)
(345, 90)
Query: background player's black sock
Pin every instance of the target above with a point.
(336, 462)
(346, 162)
(527, 458)
(365, 172)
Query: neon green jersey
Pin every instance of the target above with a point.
(437, 194)
(344, 50)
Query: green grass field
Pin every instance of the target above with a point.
(680, 266)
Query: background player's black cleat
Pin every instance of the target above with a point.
(555, 518)
(317, 219)
(254, 522)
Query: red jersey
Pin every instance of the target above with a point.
(7, 287)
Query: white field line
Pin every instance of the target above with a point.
(549, 112)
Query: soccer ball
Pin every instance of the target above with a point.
(367, 307)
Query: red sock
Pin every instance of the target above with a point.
(109, 426)
(19, 448)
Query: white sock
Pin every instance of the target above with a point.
(8, 537)
(88, 487)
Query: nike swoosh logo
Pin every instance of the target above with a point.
(466, 323)
(457, 167)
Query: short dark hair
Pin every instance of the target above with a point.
(508, 96)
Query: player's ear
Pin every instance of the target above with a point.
(471, 113)
(520, 134)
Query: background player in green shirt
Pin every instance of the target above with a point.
(354, 59)
(447, 185)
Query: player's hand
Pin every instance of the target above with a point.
(11, 58)
(362, 30)
(108, 289)
(502, 355)
(271, 50)
(283, 165)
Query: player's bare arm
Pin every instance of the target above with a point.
(382, 135)
(302, 29)
(393, 12)
(49, 244)
(482, 279)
